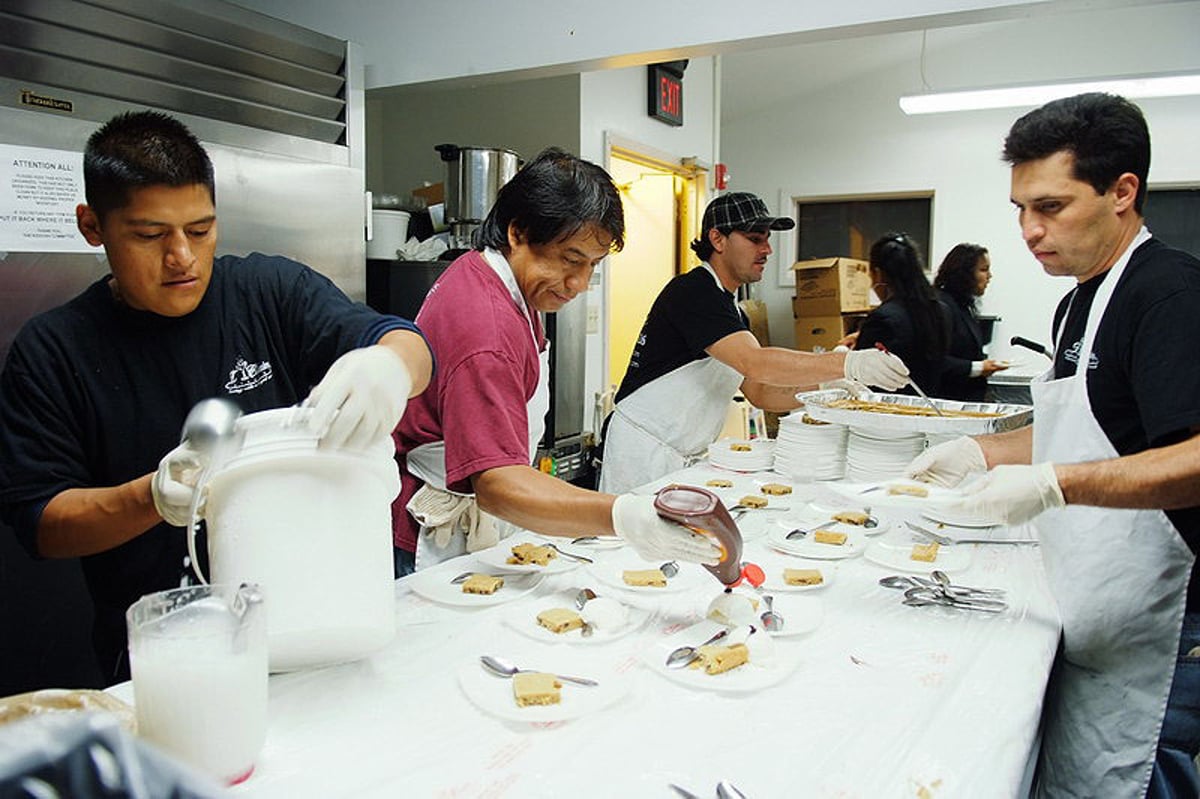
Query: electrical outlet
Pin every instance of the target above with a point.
(593, 319)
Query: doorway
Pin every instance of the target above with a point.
(663, 201)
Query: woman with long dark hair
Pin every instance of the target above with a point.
(909, 322)
(961, 279)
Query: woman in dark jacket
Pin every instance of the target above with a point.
(961, 279)
(910, 322)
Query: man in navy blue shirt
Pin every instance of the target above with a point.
(94, 392)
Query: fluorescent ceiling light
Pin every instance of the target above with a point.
(1033, 95)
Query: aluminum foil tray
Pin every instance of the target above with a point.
(816, 405)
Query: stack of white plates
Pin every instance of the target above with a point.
(810, 450)
(871, 455)
(742, 455)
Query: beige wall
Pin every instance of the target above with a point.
(403, 125)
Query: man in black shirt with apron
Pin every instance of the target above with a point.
(1111, 465)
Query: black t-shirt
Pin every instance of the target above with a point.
(94, 394)
(892, 325)
(1144, 374)
(690, 314)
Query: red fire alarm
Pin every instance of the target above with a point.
(720, 177)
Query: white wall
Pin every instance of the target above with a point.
(853, 139)
(613, 102)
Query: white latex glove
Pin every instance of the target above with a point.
(876, 368)
(654, 538)
(361, 397)
(175, 482)
(948, 463)
(1013, 494)
(853, 388)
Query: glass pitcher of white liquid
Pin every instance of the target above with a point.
(198, 656)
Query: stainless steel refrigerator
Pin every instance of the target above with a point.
(280, 110)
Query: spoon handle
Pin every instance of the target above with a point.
(577, 680)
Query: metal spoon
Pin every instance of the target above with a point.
(669, 569)
(502, 668)
(772, 621)
(727, 790)
(581, 599)
(462, 578)
(686, 654)
(744, 508)
(905, 581)
(571, 555)
(583, 596)
(801, 533)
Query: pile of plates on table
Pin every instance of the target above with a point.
(742, 455)
(810, 450)
(871, 455)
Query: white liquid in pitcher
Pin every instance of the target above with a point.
(201, 692)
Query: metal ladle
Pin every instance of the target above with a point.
(211, 430)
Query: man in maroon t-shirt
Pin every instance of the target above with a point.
(466, 445)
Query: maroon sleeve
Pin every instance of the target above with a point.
(484, 420)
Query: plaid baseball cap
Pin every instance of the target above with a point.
(741, 210)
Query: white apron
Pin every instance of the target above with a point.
(668, 423)
(1120, 580)
(428, 461)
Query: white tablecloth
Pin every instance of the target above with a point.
(885, 700)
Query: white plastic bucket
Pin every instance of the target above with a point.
(313, 528)
(389, 231)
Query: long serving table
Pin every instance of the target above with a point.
(877, 699)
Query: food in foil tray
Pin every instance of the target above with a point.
(851, 404)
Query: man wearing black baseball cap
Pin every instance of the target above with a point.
(696, 351)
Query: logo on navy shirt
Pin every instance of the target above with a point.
(1072, 355)
(245, 375)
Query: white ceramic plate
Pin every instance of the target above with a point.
(856, 542)
(494, 695)
(435, 584)
(943, 516)
(523, 619)
(610, 570)
(747, 678)
(950, 559)
(496, 558)
(774, 583)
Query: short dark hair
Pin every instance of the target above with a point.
(956, 274)
(896, 256)
(1107, 135)
(138, 149)
(553, 197)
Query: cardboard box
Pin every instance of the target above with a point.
(825, 332)
(432, 193)
(828, 286)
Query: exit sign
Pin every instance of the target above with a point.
(666, 92)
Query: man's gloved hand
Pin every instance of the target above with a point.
(654, 538)
(361, 397)
(876, 368)
(948, 463)
(851, 387)
(174, 483)
(1013, 494)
